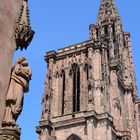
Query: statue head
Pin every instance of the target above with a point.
(22, 61)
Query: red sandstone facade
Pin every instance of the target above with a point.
(137, 107)
(90, 88)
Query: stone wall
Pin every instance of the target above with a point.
(9, 13)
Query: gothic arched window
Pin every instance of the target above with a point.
(73, 137)
(63, 90)
(76, 87)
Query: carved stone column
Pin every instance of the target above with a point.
(109, 132)
(56, 101)
(82, 97)
(8, 133)
(67, 90)
(97, 78)
(90, 129)
(103, 132)
(69, 93)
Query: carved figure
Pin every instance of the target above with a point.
(19, 83)
(91, 91)
(117, 104)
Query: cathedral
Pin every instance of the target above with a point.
(90, 87)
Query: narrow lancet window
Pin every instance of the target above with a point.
(63, 91)
(106, 30)
(76, 87)
(113, 29)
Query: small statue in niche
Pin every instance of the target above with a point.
(117, 104)
(90, 92)
(128, 122)
(19, 83)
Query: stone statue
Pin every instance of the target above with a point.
(117, 104)
(19, 83)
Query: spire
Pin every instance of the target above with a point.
(107, 10)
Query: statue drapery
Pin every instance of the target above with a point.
(19, 83)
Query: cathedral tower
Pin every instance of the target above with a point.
(90, 88)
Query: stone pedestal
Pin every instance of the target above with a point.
(8, 133)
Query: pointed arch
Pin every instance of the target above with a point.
(75, 70)
(73, 137)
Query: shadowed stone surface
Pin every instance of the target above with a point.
(15, 33)
(9, 13)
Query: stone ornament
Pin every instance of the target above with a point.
(19, 83)
(23, 33)
(117, 104)
(10, 134)
(5, 137)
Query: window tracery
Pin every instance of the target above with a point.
(75, 72)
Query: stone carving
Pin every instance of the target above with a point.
(47, 96)
(117, 104)
(23, 32)
(57, 73)
(91, 91)
(8, 133)
(5, 137)
(87, 67)
(128, 122)
(19, 83)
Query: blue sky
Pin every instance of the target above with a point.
(62, 23)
